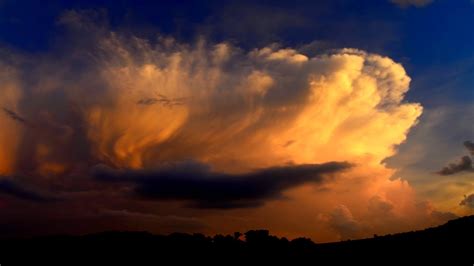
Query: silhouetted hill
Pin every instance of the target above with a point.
(451, 241)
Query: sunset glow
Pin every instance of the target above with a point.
(114, 128)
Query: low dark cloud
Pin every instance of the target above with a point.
(203, 188)
(18, 191)
(465, 164)
(468, 201)
(469, 146)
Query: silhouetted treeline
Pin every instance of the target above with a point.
(452, 241)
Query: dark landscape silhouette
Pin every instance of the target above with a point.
(450, 241)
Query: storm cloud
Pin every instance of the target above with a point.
(204, 188)
(134, 104)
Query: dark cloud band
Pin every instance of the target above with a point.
(204, 188)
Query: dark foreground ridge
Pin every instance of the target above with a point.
(451, 241)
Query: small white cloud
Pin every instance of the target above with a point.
(343, 222)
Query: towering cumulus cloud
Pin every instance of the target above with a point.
(243, 110)
(139, 105)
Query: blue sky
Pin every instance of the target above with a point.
(433, 40)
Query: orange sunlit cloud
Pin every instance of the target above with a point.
(140, 106)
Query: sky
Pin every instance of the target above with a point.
(332, 120)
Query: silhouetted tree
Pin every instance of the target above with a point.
(447, 241)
